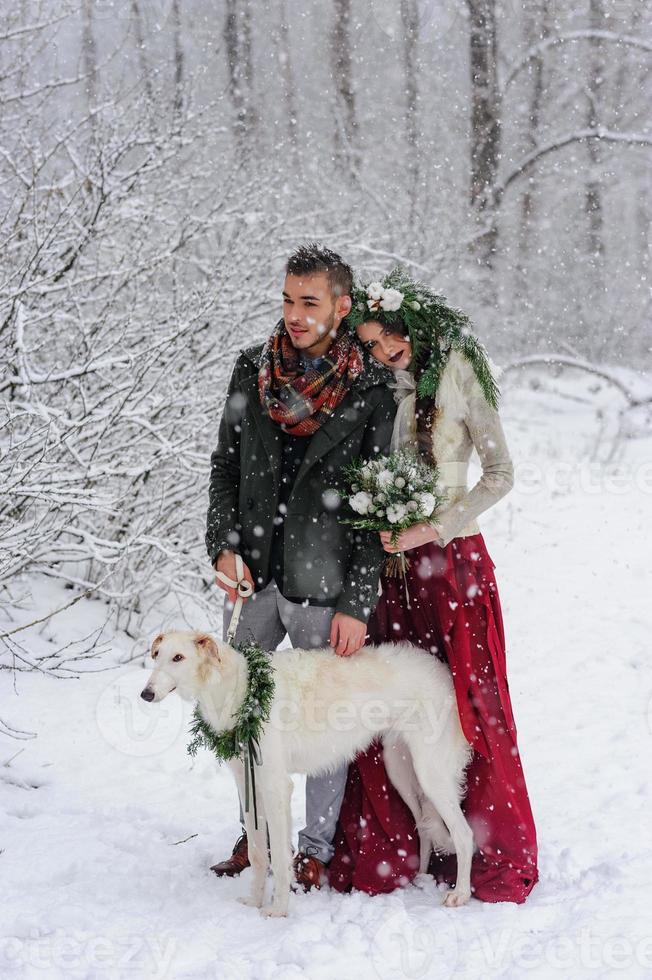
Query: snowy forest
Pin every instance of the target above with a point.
(159, 160)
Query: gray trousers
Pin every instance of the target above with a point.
(267, 617)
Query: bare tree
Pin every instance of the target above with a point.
(89, 54)
(485, 126)
(178, 58)
(289, 85)
(346, 124)
(410, 20)
(141, 50)
(537, 24)
(239, 54)
(594, 118)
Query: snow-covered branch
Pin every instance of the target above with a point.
(559, 143)
(535, 51)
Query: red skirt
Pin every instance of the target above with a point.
(455, 614)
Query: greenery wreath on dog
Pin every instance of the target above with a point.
(253, 711)
(243, 740)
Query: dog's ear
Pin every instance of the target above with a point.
(207, 645)
(156, 642)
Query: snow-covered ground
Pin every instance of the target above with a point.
(109, 827)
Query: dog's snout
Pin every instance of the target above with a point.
(147, 694)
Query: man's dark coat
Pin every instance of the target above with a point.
(323, 559)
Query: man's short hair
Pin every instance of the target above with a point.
(311, 258)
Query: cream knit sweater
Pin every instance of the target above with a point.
(466, 421)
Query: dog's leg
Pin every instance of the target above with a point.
(256, 840)
(398, 763)
(277, 791)
(441, 788)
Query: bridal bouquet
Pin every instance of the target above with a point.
(392, 493)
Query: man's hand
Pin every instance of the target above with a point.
(411, 538)
(226, 564)
(347, 634)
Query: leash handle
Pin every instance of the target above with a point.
(244, 590)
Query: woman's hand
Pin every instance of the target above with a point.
(414, 536)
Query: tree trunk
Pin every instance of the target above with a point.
(89, 56)
(143, 64)
(237, 38)
(289, 86)
(593, 193)
(410, 19)
(485, 127)
(178, 60)
(345, 110)
(537, 28)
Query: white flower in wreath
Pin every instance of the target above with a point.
(426, 502)
(392, 300)
(361, 502)
(375, 290)
(385, 479)
(396, 513)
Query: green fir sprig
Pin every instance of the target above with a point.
(252, 714)
(432, 325)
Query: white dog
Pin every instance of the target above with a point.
(325, 710)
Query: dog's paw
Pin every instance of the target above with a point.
(423, 881)
(454, 899)
(251, 901)
(273, 911)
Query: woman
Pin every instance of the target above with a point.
(447, 404)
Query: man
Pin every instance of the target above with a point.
(298, 409)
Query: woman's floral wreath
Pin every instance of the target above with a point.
(432, 326)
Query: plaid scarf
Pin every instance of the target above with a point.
(300, 402)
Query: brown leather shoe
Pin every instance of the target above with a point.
(309, 871)
(238, 861)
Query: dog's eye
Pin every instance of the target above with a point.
(176, 658)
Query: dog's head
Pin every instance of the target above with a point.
(183, 662)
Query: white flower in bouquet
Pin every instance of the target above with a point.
(426, 502)
(361, 502)
(392, 299)
(396, 513)
(399, 482)
(412, 506)
(385, 479)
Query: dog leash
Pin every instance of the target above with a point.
(251, 750)
(244, 590)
